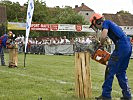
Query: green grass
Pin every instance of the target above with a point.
(50, 77)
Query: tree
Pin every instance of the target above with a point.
(123, 12)
(40, 12)
(12, 10)
(65, 16)
(43, 14)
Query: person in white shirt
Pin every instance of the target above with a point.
(65, 40)
(88, 41)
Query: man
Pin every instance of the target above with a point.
(119, 59)
(64, 40)
(3, 42)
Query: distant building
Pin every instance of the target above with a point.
(125, 21)
(85, 11)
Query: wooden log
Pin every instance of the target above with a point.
(83, 85)
(88, 74)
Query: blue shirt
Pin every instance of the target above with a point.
(114, 31)
(3, 40)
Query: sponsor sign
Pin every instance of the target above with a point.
(40, 27)
(16, 26)
(66, 27)
(50, 27)
(86, 28)
(79, 28)
(54, 27)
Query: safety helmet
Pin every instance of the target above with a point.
(95, 17)
(10, 34)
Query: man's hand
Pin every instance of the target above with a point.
(101, 47)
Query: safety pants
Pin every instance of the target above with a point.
(118, 64)
(2, 56)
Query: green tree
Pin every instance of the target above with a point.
(65, 16)
(13, 10)
(122, 12)
(43, 14)
(40, 12)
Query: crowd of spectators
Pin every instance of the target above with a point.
(36, 45)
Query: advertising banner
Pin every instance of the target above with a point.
(66, 27)
(86, 28)
(50, 27)
(40, 27)
(16, 26)
(30, 11)
(54, 27)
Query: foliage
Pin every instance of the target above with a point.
(122, 12)
(43, 14)
(13, 10)
(40, 12)
(65, 16)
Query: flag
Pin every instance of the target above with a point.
(30, 11)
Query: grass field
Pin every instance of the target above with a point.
(50, 77)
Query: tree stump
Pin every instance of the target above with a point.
(83, 85)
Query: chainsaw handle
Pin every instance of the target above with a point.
(101, 47)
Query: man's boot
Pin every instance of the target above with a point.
(125, 98)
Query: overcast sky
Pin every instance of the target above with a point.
(99, 6)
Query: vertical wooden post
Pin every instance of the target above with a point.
(83, 86)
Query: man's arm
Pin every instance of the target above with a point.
(103, 36)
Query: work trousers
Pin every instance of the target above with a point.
(118, 64)
(2, 56)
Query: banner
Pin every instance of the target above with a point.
(86, 28)
(79, 28)
(66, 27)
(54, 27)
(16, 26)
(50, 27)
(30, 11)
(40, 27)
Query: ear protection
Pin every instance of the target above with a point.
(98, 22)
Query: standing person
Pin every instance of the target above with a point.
(65, 40)
(2, 56)
(118, 62)
(3, 42)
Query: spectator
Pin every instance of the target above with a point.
(72, 40)
(81, 40)
(52, 41)
(56, 41)
(65, 40)
(3, 43)
(29, 46)
(88, 40)
(60, 40)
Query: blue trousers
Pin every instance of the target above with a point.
(2, 56)
(118, 64)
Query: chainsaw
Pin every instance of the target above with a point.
(97, 54)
